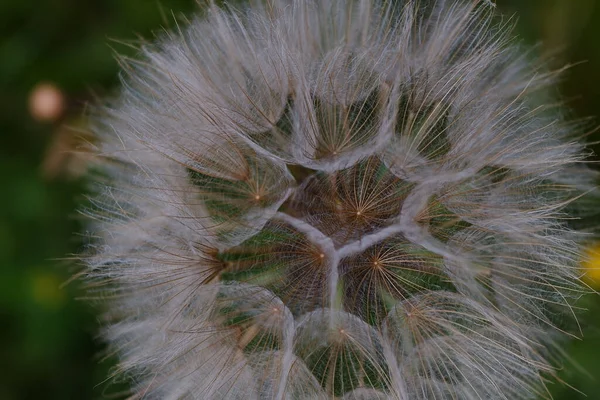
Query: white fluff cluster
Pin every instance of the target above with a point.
(352, 199)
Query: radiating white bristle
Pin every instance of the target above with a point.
(359, 199)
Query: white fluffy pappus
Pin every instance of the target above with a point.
(351, 199)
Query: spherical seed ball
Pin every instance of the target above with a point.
(352, 199)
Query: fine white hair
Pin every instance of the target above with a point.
(359, 199)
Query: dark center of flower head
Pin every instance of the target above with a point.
(331, 240)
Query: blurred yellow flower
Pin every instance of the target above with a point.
(591, 265)
(45, 289)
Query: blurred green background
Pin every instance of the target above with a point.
(48, 343)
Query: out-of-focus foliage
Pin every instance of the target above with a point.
(48, 347)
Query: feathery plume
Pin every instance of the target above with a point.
(337, 198)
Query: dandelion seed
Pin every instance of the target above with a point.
(337, 198)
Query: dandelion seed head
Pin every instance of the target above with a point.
(339, 198)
